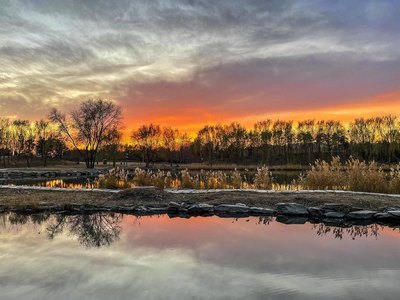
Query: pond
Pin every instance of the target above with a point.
(282, 180)
(113, 256)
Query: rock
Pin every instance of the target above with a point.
(362, 222)
(200, 208)
(336, 207)
(291, 209)
(362, 214)
(383, 215)
(260, 211)
(231, 208)
(291, 219)
(334, 214)
(337, 222)
(174, 206)
(158, 210)
(141, 209)
(204, 207)
(394, 208)
(125, 208)
(394, 213)
(316, 211)
(187, 204)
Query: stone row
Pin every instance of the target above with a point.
(294, 212)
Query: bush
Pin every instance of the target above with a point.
(116, 178)
(324, 175)
(263, 178)
(365, 177)
(354, 175)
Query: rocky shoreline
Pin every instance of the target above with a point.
(291, 207)
(289, 213)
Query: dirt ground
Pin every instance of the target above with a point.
(14, 198)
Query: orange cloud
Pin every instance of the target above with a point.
(192, 119)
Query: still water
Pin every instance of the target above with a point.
(282, 180)
(105, 256)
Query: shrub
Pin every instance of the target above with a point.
(263, 178)
(116, 178)
(187, 181)
(395, 180)
(236, 180)
(142, 177)
(365, 177)
(324, 175)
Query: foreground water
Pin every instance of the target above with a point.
(105, 256)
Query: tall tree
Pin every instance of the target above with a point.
(147, 138)
(89, 126)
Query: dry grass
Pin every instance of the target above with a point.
(120, 179)
(353, 175)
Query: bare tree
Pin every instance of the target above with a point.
(5, 139)
(170, 141)
(89, 126)
(147, 138)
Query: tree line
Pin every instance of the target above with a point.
(92, 132)
(276, 142)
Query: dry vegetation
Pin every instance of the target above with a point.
(120, 178)
(353, 175)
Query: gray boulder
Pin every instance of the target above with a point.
(201, 208)
(260, 211)
(174, 206)
(291, 219)
(316, 211)
(141, 209)
(158, 210)
(336, 207)
(362, 214)
(394, 213)
(291, 209)
(334, 214)
(232, 208)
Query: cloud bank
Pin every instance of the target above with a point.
(187, 62)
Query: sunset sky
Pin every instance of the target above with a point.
(186, 63)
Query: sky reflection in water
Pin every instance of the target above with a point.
(124, 257)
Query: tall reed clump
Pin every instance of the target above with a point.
(263, 178)
(395, 180)
(142, 177)
(364, 176)
(236, 180)
(324, 175)
(353, 175)
(116, 178)
(187, 181)
(215, 180)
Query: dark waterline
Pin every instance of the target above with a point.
(113, 256)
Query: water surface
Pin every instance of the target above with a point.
(105, 256)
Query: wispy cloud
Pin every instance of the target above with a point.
(223, 57)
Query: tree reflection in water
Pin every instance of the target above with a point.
(102, 229)
(352, 231)
(94, 230)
